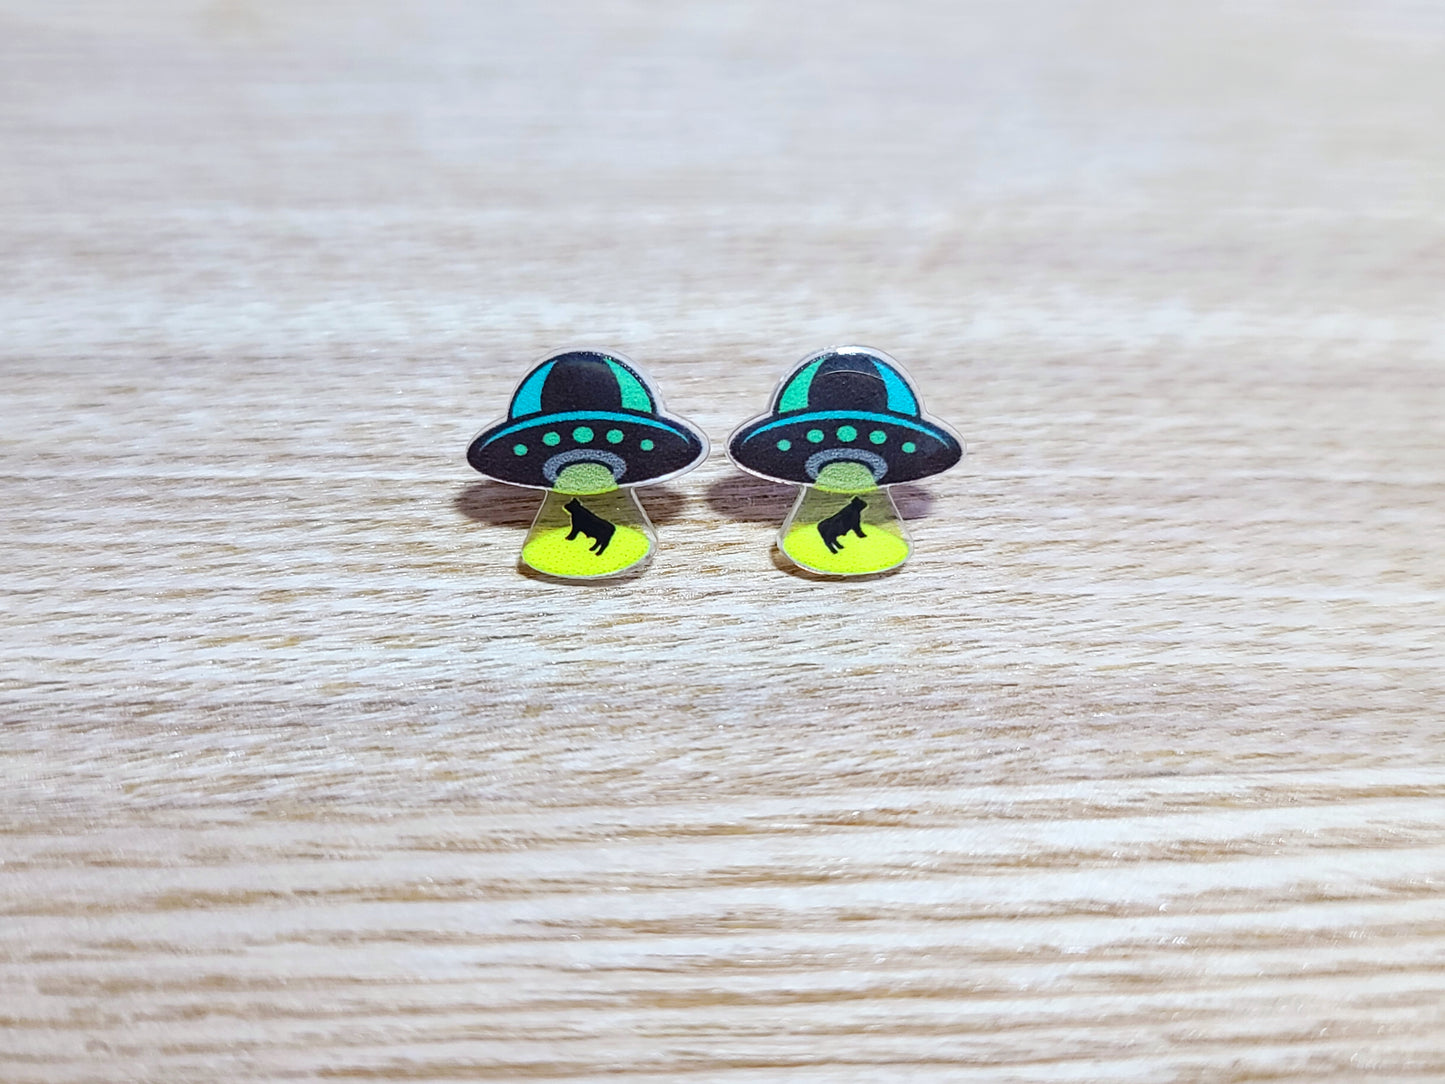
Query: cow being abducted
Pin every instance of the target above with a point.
(585, 521)
(848, 518)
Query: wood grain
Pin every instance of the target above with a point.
(1133, 773)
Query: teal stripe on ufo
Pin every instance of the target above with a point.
(584, 416)
(634, 393)
(795, 393)
(849, 416)
(900, 395)
(528, 399)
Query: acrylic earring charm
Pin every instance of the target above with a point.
(845, 424)
(587, 426)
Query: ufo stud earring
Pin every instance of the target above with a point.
(587, 426)
(845, 424)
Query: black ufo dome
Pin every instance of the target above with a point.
(585, 406)
(849, 404)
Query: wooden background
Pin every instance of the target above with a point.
(1134, 773)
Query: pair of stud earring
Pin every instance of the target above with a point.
(589, 428)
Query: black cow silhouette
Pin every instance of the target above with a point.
(585, 521)
(847, 518)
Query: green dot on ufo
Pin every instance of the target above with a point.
(646, 445)
(847, 433)
(909, 446)
(815, 436)
(519, 449)
(551, 440)
(582, 434)
(877, 436)
(784, 444)
(614, 436)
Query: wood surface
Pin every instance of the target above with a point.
(1133, 773)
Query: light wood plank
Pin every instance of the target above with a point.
(1134, 773)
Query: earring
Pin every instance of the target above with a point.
(588, 427)
(845, 424)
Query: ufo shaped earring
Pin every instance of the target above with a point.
(845, 424)
(587, 426)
